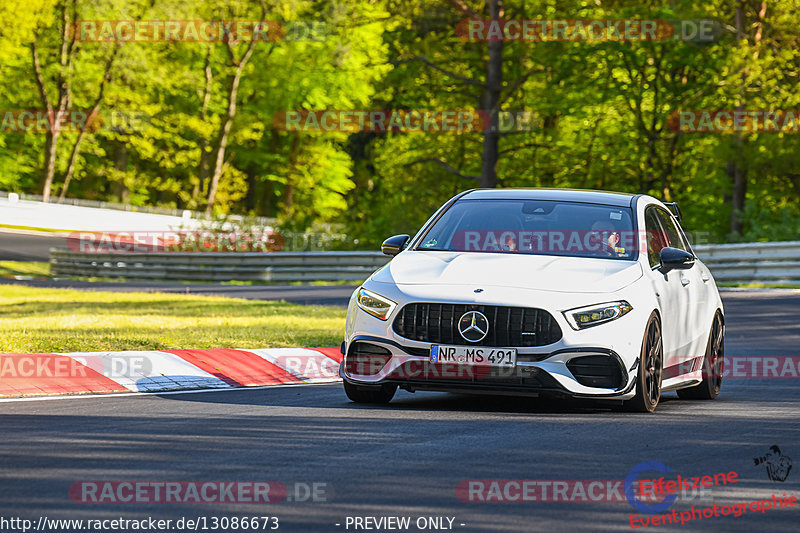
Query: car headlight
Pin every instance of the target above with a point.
(375, 304)
(593, 315)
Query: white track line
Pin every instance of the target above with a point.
(139, 394)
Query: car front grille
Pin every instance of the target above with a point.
(508, 326)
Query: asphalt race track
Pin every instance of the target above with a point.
(337, 295)
(18, 245)
(407, 459)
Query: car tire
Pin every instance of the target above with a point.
(379, 395)
(650, 370)
(713, 363)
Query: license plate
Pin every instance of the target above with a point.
(469, 355)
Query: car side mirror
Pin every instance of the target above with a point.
(675, 259)
(394, 245)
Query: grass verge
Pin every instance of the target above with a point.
(61, 320)
(760, 285)
(32, 228)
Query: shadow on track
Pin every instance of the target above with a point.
(428, 402)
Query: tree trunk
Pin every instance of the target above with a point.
(63, 83)
(204, 166)
(227, 121)
(494, 85)
(739, 177)
(223, 143)
(732, 168)
(73, 161)
(51, 145)
(288, 196)
(225, 132)
(294, 150)
(64, 94)
(52, 134)
(265, 207)
(93, 117)
(121, 164)
(736, 171)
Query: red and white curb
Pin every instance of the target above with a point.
(47, 374)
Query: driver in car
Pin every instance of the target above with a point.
(611, 244)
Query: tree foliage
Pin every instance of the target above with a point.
(191, 124)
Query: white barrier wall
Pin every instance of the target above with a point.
(49, 216)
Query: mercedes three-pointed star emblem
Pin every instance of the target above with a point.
(473, 326)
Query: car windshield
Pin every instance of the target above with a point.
(534, 227)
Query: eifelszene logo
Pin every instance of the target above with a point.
(630, 492)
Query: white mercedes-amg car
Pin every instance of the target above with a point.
(543, 292)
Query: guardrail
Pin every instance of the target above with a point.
(758, 262)
(774, 263)
(212, 266)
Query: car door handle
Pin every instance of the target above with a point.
(705, 277)
(684, 281)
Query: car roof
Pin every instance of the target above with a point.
(617, 199)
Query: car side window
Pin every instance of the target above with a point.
(673, 234)
(656, 240)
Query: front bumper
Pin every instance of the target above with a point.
(563, 368)
(576, 372)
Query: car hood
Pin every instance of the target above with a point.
(539, 272)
